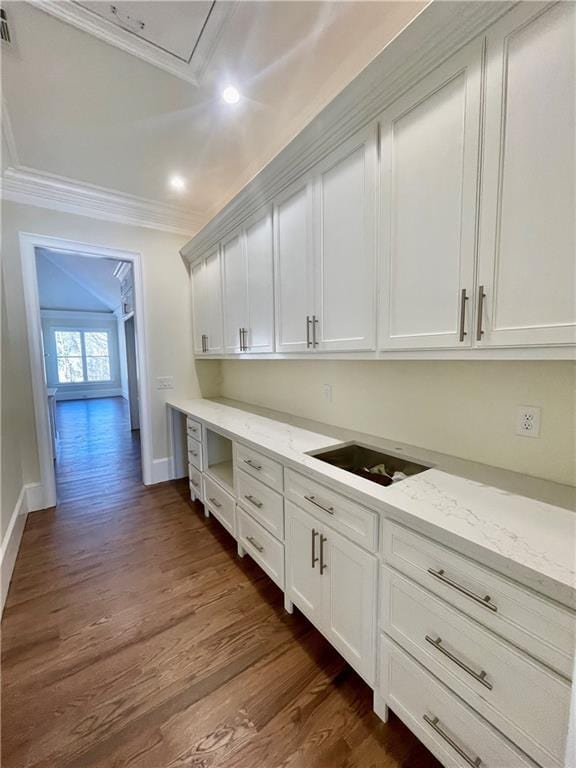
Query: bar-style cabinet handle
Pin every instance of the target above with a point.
(314, 326)
(308, 321)
(484, 601)
(433, 723)
(241, 340)
(481, 297)
(462, 330)
(255, 544)
(252, 500)
(312, 500)
(215, 502)
(250, 463)
(323, 565)
(243, 337)
(314, 558)
(480, 677)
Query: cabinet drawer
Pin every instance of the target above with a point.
(544, 629)
(195, 453)
(195, 480)
(220, 504)
(261, 546)
(526, 701)
(455, 734)
(356, 522)
(265, 469)
(264, 504)
(194, 428)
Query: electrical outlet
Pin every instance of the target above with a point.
(328, 391)
(528, 421)
(165, 382)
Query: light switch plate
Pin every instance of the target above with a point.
(165, 382)
(528, 421)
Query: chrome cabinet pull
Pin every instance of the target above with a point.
(433, 723)
(250, 463)
(255, 544)
(241, 341)
(215, 502)
(481, 297)
(255, 502)
(463, 299)
(194, 483)
(193, 429)
(312, 500)
(480, 677)
(485, 601)
(314, 558)
(323, 565)
(308, 342)
(314, 325)
(204, 343)
(244, 337)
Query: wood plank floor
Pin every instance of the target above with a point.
(134, 636)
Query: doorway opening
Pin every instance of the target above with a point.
(88, 363)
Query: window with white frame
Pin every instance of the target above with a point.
(82, 356)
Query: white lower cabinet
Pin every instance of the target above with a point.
(220, 504)
(333, 582)
(262, 547)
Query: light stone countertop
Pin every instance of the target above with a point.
(520, 525)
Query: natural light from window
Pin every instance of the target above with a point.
(83, 356)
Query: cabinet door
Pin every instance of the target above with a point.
(349, 601)
(259, 261)
(429, 151)
(527, 239)
(199, 319)
(235, 291)
(294, 268)
(303, 580)
(212, 284)
(344, 222)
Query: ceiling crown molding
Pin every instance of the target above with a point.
(46, 190)
(191, 71)
(434, 35)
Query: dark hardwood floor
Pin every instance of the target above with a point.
(134, 636)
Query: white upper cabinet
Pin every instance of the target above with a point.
(235, 291)
(345, 246)
(260, 271)
(207, 305)
(429, 164)
(294, 268)
(527, 236)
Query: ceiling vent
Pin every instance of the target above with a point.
(4, 28)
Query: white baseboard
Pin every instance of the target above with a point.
(34, 497)
(11, 543)
(161, 470)
(89, 395)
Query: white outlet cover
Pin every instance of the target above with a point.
(528, 421)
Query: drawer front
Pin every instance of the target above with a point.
(526, 701)
(194, 428)
(267, 470)
(267, 551)
(354, 521)
(195, 479)
(195, 453)
(455, 734)
(220, 504)
(543, 629)
(264, 504)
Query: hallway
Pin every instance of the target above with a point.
(97, 451)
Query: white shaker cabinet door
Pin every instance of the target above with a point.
(293, 212)
(527, 266)
(199, 307)
(345, 237)
(303, 578)
(235, 291)
(429, 159)
(212, 301)
(260, 267)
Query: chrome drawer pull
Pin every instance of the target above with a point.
(252, 500)
(323, 566)
(250, 463)
(312, 500)
(485, 601)
(480, 677)
(194, 453)
(194, 483)
(216, 503)
(255, 544)
(314, 558)
(433, 723)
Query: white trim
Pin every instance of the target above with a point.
(433, 36)
(34, 496)
(46, 190)
(11, 544)
(191, 71)
(162, 470)
(89, 395)
(28, 242)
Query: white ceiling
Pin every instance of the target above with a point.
(88, 111)
(74, 282)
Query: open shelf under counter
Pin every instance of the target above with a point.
(218, 455)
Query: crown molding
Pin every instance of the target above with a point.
(439, 30)
(113, 34)
(46, 190)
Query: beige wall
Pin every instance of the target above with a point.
(462, 408)
(167, 311)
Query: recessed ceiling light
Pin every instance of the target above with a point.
(177, 183)
(231, 95)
